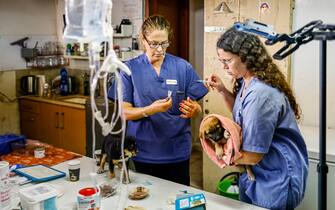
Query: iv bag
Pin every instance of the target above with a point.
(88, 20)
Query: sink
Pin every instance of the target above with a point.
(76, 100)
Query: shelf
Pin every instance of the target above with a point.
(86, 58)
(121, 36)
(78, 57)
(48, 61)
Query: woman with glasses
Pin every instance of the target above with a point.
(160, 97)
(264, 106)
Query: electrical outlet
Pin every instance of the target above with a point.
(215, 29)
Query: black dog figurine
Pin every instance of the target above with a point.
(111, 151)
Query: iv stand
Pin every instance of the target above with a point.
(314, 30)
(325, 33)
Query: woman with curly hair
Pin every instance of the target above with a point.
(264, 106)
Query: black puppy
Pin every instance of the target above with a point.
(111, 151)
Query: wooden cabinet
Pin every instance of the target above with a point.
(30, 119)
(50, 130)
(72, 123)
(58, 125)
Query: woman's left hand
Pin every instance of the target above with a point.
(189, 108)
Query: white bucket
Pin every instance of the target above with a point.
(4, 186)
(88, 199)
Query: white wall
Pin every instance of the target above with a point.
(35, 19)
(131, 9)
(196, 45)
(196, 51)
(305, 65)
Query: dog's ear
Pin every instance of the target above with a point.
(201, 132)
(204, 127)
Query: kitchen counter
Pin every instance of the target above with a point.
(75, 101)
(311, 136)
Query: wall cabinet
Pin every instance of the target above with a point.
(58, 125)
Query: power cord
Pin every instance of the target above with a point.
(5, 99)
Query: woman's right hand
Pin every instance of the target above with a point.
(161, 105)
(214, 82)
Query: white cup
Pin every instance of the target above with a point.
(74, 170)
(39, 152)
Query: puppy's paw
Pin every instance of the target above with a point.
(100, 171)
(219, 156)
(250, 173)
(111, 175)
(219, 151)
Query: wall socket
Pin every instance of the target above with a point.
(215, 29)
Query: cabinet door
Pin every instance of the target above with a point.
(50, 124)
(30, 125)
(73, 129)
(29, 119)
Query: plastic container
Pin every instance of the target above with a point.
(88, 199)
(227, 182)
(39, 152)
(5, 200)
(7, 140)
(88, 20)
(64, 83)
(38, 197)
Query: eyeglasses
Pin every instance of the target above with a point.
(226, 61)
(155, 45)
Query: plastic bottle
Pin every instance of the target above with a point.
(86, 85)
(64, 86)
(69, 49)
(134, 44)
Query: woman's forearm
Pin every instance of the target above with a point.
(249, 158)
(136, 113)
(229, 98)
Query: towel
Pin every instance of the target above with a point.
(231, 148)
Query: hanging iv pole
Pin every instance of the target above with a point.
(315, 30)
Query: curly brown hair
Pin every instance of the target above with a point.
(252, 52)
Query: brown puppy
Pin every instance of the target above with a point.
(213, 131)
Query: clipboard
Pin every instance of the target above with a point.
(39, 173)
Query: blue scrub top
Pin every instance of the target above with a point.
(162, 137)
(269, 127)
